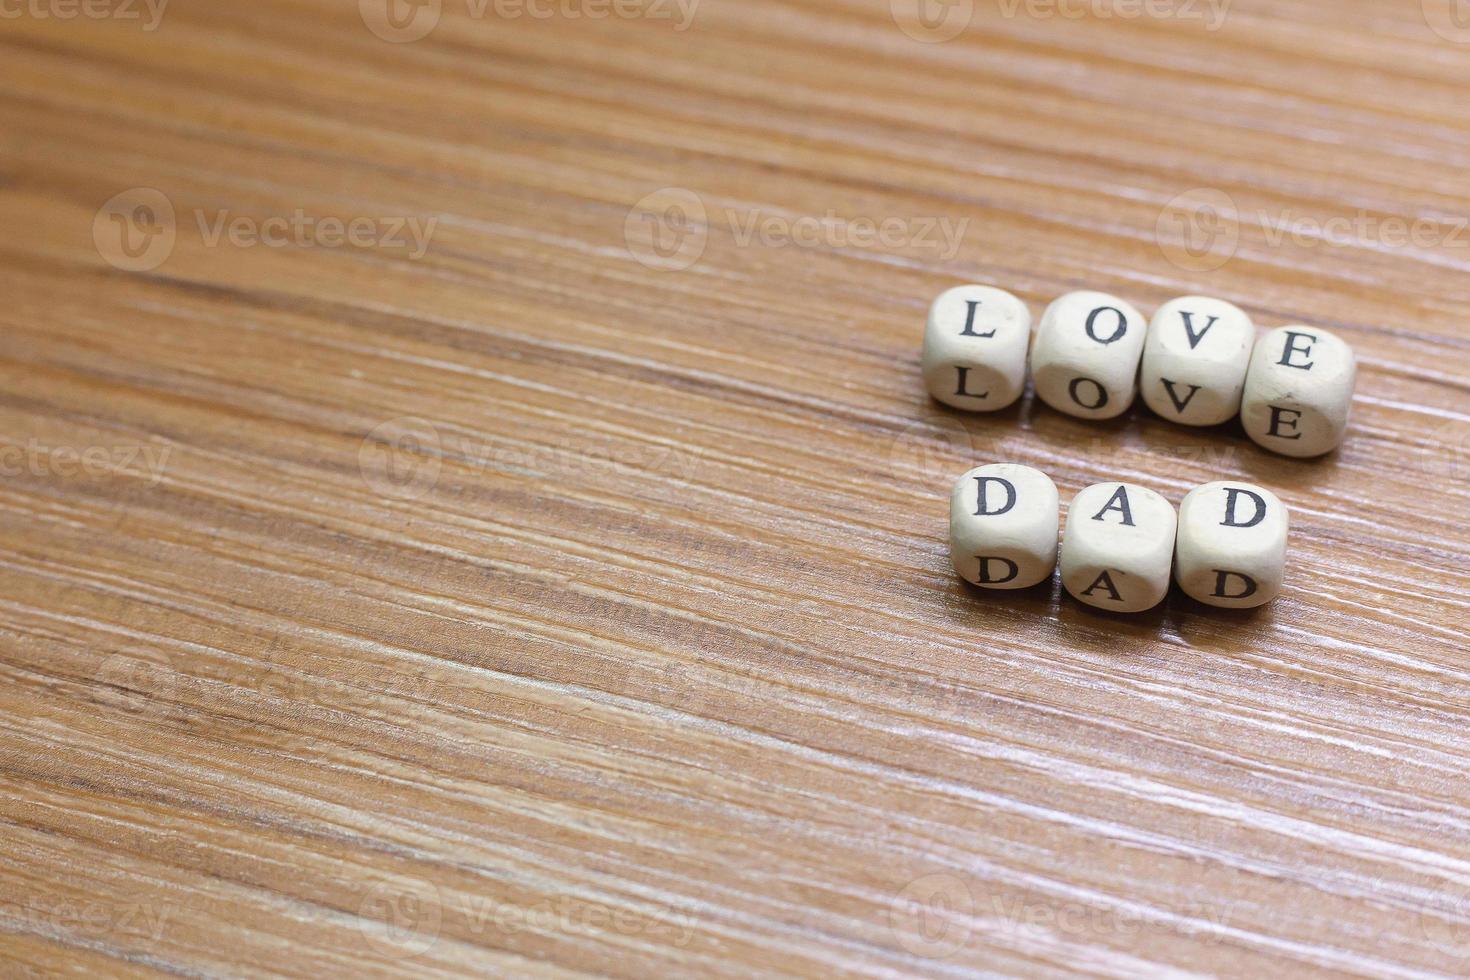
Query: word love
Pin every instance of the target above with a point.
(1197, 362)
(1123, 543)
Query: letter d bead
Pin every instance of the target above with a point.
(1231, 547)
(1003, 522)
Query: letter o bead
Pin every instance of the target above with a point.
(975, 348)
(1195, 359)
(1003, 526)
(1119, 547)
(1084, 357)
(1299, 391)
(1231, 549)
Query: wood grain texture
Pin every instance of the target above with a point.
(570, 595)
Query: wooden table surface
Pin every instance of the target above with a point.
(469, 505)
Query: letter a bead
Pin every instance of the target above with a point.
(975, 348)
(1119, 547)
(1298, 391)
(1003, 526)
(1231, 549)
(1195, 358)
(1084, 357)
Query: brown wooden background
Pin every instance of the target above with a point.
(571, 595)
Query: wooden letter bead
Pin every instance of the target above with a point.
(1232, 544)
(1003, 526)
(1084, 358)
(1195, 359)
(1118, 547)
(975, 348)
(1298, 391)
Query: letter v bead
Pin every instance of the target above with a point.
(1195, 360)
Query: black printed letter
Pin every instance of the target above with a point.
(1291, 348)
(1102, 393)
(1119, 502)
(1195, 338)
(964, 373)
(1117, 334)
(985, 578)
(1179, 406)
(1010, 489)
(1278, 418)
(969, 330)
(1106, 581)
(1231, 493)
(1221, 577)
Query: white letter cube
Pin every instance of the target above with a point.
(1195, 359)
(1231, 549)
(1003, 526)
(1298, 391)
(1084, 357)
(1119, 547)
(975, 348)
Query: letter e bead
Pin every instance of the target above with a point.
(1003, 526)
(975, 348)
(1084, 357)
(1119, 547)
(1231, 550)
(1298, 391)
